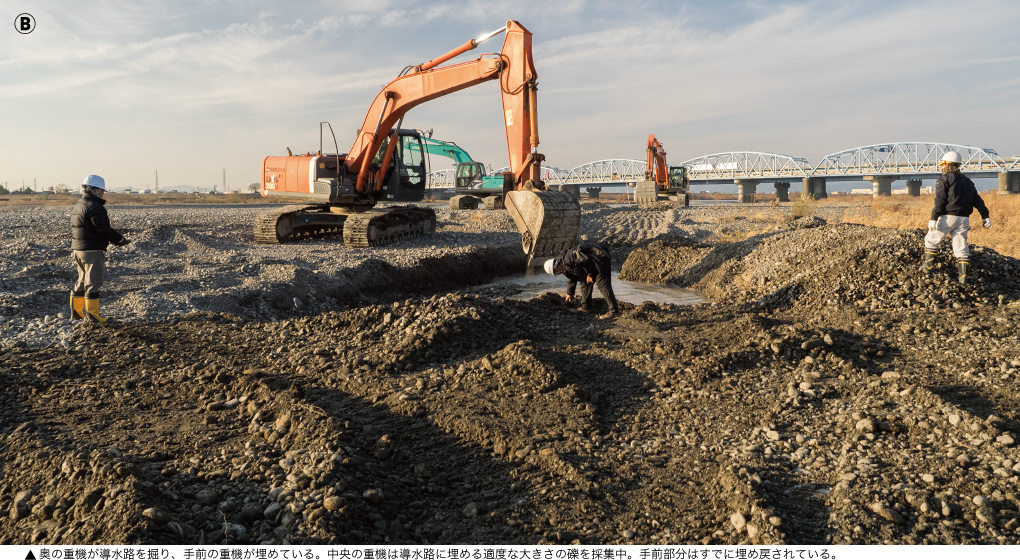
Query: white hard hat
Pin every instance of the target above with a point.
(952, 157)
(550, 266)
(94, 181)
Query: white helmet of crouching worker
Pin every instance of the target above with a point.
(94, 182)
(952, 157)
(550, 266)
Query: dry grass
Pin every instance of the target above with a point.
(118, 198)
(905, 212)
(803, 207)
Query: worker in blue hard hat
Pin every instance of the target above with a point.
(91, 234)
(956, 197)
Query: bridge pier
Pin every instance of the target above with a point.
(572, 189)
(1009, 182)
(746, 189)
(783, 191)
(881, 185)
(913, 187)
(593, 192)
(814, 187)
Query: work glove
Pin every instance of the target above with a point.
(986, 223)
(123, 241)
(933, 225)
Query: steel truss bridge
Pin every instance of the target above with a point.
(610, 171)
(895, 160)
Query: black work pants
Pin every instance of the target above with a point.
(604, 281)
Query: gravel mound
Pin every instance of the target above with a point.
(814, 265)
(773, 415)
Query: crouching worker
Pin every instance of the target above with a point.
(588, 263)
(91, 234)
(955, 200)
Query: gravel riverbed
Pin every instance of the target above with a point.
(309, 393)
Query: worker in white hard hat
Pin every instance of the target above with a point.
(592, 264)
(91, 234)
(955, 200)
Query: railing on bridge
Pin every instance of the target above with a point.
(903, 158)
(605, 171)
(596, 172)
(444, 178)
(551, 175)
(746, 165)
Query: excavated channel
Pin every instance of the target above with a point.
(534, 283)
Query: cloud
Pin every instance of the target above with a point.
(804, 78)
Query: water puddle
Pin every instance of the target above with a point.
(535, 283)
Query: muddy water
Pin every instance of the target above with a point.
(534, 283)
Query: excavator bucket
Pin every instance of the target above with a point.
(548, 221)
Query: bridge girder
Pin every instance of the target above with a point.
(897, 158)
(602, 171)
(746, 165)
(444, 178)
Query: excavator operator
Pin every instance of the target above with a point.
(592, 263)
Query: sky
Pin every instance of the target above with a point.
(190, 88)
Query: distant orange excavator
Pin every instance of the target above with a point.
(387, 163)
(662, 180)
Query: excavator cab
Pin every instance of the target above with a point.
(406, 177)
(469, 175)
(678, 178)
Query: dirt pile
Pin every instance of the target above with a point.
(842, 264)
(508, 421)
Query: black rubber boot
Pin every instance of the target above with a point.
(929, 261)
(963, 269)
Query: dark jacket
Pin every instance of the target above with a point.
(955, 195)
(90, 225)
(586, 259)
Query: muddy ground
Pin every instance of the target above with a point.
(830, 394)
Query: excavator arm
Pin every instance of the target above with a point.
(657, 168)
(446, 149)
(513, 66)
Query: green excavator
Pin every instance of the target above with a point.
(472, 185)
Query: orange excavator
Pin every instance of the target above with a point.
(661, 179)
(386, 164)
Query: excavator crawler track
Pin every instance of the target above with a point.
(382, 226)
(296, 223)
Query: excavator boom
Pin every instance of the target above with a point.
(548, 220)
(446, 149)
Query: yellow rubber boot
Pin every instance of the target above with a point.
(929, 261)
(92, 311)
(77, 306)
(963, 269)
